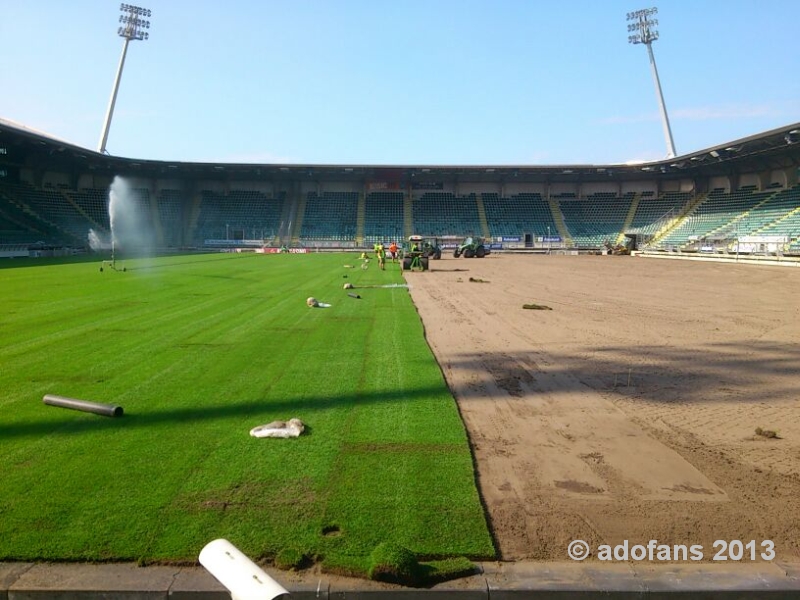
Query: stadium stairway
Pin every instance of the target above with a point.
(28, 225)
(361, 212)
(80, 210)
(737, 219)
(285, 220)
(298, 224)
(194, 216)
(788, 217)
(629, 219)
(558, 219)
(482, 216)
(766, 218)
(408, 215)
(58, 232)
(677, 221)
(155, 217)
(787, 225)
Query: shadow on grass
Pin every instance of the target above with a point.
(729, 372)
(299, 407)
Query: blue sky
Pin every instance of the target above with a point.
(436, 82)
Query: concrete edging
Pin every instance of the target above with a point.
(496, 581)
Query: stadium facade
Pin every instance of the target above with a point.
(740, 196)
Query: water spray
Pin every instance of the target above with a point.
(113, 201)
(123, 221)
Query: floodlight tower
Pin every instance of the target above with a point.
(645, 34)
(132, 27)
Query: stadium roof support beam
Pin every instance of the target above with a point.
(642, 30)
(132, 26)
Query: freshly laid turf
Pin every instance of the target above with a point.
(198, 350)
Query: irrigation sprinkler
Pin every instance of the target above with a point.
(244, 579)
(106, 410)
(112, 264)
(119, 213)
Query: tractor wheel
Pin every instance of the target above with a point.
(424, 262)
(480, 252)
(469, 253)
(438, 254)
(456, 254)
(406, 264)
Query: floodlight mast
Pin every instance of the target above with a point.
(132, 27)
(641, 31)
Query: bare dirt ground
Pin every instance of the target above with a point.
(629, 410)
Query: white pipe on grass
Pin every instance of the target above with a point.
(244, 579)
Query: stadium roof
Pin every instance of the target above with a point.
(775, 149)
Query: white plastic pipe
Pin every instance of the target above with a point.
(244, 579)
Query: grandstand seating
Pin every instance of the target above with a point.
(518, 215)
(171, 214)
(716, 216)
(11, 232)
(443, 213)
(18, 227)
(654, 212)
(331, 216)
(52, 203)
(46, 211)
(60, 215)
(786, 223)
(383, 217)
(93, 203)
(773, 216)
(595, 219)
(249, 214)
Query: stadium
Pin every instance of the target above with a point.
(739, 198)
(652, 398)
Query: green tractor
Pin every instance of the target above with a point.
(415, 255)
(430, 248)
(471, 247)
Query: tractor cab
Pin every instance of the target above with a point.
(414, 254)
(431, 248)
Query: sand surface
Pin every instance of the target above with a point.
(629, 410)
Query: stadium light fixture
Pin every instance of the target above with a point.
(643, 30)
(132, 24)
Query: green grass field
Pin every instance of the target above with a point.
(198, 350)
